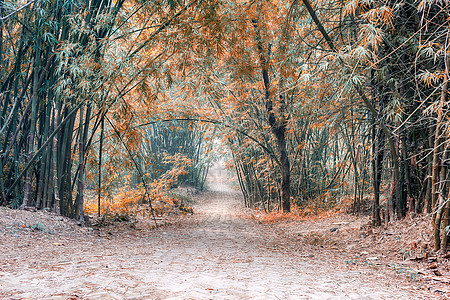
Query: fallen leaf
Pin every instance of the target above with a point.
(433, 265)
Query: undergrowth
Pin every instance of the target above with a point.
(129, 204)
(321, 207)
(155, 199)
(306, 212)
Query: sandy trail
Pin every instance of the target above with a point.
(214, 254)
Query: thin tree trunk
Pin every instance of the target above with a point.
(79, 205)
(377, 166)
(439, 194)
(430, 169)
(406, 161)
(33, 123)
(440, 205)
(445, 226)
(102, 128)
(285, 170)
(55, 179)
(44, 162)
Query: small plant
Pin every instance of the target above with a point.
(352, 262)
(15, 202)
(405, 253)
(38, 227)
(409, 272)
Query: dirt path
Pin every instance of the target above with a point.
(215, 254)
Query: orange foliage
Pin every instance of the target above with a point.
(308, 212)
(132, 202)
(124, 203)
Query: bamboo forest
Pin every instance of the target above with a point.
(224, 149)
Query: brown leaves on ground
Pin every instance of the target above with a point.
(403, 247)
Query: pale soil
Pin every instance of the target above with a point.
(217, 253)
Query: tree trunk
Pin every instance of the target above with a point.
(430, 170)
(285, 170)
(79, 205)
(409, 199)
(438, 194)
(43, 168)
(435, 166)
(102, 127)
(32, 132)
(377, 166)
(440, 205)
(445, 226)
(277, 123)
(55, 179)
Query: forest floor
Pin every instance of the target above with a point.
(222, 251)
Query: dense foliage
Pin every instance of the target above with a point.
(318, 101)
